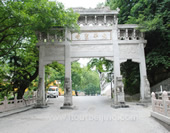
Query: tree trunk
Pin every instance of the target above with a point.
(25, 84)
(22, 88)
(20, 93)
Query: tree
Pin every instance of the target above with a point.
(131, 77)
(90, 82)
(76, 73)
(100, 5)
(153, 17)
(101, 65)
(124, 6)
(54, 71)
(19, 22)
(91, 89)
(85, 79)
(21, 19)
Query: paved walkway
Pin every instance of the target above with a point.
(93, 114)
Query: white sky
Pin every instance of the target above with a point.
(81, 3)
(84, 61)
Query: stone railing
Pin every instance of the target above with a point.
(158, 95)
(53, 36)
(97, 20)
(161, 106)
(8, 105)
(97, 17)
(57, 35)
(129, 32)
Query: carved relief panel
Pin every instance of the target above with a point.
(129, 51)
(54, 53)
(92, 48)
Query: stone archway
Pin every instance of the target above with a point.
(100, 36)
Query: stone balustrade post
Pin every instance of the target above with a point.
(35, 94)
(5, 103)
(15, 101)
(153, 101)
(34, 99)
(29, 99)
(165, 98)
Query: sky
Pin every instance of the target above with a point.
(81, 3)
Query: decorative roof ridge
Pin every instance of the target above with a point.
(98, 9)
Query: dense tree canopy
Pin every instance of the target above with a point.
(19, 22)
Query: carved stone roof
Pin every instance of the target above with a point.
(97, 11)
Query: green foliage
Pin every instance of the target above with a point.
(54, 71)
(131, 75)
(154, 59)
(124, 6)
(76, 73)
(153, 17)
(19, 22)
(101, 65)
(91, 89)
(85, 79)
(90, 82)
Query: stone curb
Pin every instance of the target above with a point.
(11, 112)
(161, 117)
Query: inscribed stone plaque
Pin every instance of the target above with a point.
(91, 36)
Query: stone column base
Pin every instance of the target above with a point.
(40, 104)
(144, 102)
(120, 105)
(67, 107)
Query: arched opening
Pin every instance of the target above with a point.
(54, 79)
(131, 79)
(85, 81)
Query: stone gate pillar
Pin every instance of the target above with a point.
(116, 61)
(144, 84)
(41, 99)
(68, 83)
